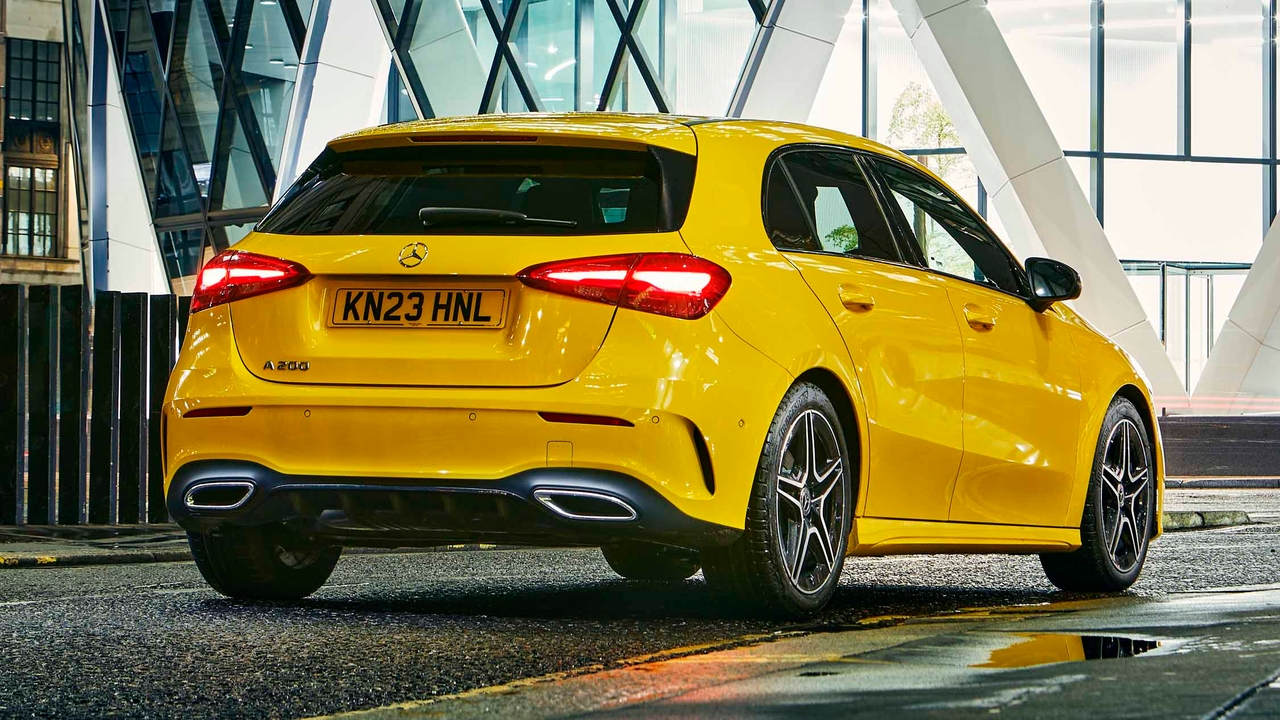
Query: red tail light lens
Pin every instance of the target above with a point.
(671, 284)
(235, 275)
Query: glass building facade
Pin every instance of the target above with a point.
(1165, 108)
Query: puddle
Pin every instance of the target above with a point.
(1046, 648)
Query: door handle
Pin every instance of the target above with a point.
(854, 298)
(977, 318)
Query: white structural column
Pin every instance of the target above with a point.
(1016, 155)
(1243, 371)
(788, 58)
(341, 82)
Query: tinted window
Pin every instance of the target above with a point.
(826, 207)
(380, 192)
(950, 238)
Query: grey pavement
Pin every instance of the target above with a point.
(1187, 655)
(151, 640)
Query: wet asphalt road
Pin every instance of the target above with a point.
(152, 641)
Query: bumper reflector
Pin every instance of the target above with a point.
(556, 417)
(217, 412)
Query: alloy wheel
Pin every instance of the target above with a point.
(1126, 496)
(810, 502)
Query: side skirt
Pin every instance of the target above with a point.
(882, 536)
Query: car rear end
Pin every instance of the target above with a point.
(451, 332)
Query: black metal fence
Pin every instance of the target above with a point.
(80, 393)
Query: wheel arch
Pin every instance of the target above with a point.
(842, 399)
(1142, 404)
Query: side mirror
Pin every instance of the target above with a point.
(1051, 282)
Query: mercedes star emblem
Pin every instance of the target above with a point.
(413, 254)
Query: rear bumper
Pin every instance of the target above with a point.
(551, 506)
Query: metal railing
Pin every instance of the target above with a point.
(1187, 273)
(80, 393)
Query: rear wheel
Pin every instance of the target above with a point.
(1119, 512)
(655, 563)
(261, 563)
(788, 560)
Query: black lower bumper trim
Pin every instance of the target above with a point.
(382, 512)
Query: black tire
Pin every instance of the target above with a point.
(754, 571)
(1110, 557)
(652, 563)
(261, 563)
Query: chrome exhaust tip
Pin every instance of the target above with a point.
(220, 495)
(585, 505)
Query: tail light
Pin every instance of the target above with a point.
(671, 284)
(235, 275)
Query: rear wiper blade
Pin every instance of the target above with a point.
(433, 216)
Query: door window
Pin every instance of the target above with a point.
(950, 238)
(819, 201)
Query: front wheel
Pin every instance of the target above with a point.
(263, 563)
(1119, 513)
(789, 557)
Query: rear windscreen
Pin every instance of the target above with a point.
(590, 191)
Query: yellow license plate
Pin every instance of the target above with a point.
(424, 308)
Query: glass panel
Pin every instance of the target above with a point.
(909, 113)
(196, 85)
(449, 50)
(268, 71)
(547, 44)
(399, 106)
(844, 210)
(304, 9)
(705, 52)
(785, 219)
(182, 257)
(17, 201)
(632, 93)
(604, 43)
(838, 104)
(1142, 77)
(176, 190)
(1050, 42)
(562, 191)
(1226, 77)
(951, 238)
(229, 235)
(639, 99)
(44, 211)
(1161, 210)
(229, 12)
(142, 76)
(242, 185)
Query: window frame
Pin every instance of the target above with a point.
(776, 157)
(907, 238)
(12, 245)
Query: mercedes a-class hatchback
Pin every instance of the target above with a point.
(750, 348)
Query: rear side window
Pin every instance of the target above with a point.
(487, 190)
(819, 201)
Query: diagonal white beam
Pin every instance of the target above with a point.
(788, 58)
(1016, 155)
(1243, 371)
(344, 64)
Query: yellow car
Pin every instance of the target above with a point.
(748, 347)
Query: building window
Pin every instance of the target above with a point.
(30, 211)
(31, 90)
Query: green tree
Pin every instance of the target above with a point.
(844, 237)
(918, 120)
